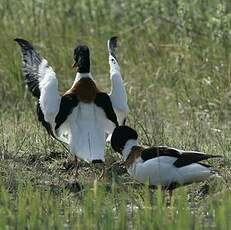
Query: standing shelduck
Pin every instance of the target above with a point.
(83, 116)
(159, 165)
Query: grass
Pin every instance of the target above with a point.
(175, 59)
(102, 208)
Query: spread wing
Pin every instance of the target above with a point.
(45, 124)
(42, 83)
(118, 93)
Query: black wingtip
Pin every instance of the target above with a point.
(113, 42)
(215, 156)
(112, 45)
(24, 43)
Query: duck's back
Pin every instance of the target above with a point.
(88, 125)
(89, 120)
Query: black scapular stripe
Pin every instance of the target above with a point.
(42, 120)
(158, 151)
(103, 100)
(188, 158)
(67, 104)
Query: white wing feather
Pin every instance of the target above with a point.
(118, 93)
(49, 97)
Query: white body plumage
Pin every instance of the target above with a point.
(161, 170)
(85, 129)
(84, 116)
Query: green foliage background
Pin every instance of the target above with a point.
(176, 63)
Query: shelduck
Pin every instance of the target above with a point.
(83, 116)
(159, 165)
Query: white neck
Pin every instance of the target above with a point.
(114, 66)
(128, 147)
(82, 75)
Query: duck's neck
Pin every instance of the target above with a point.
(128, 147)
(82, 75)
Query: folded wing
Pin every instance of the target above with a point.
(158, 151)
(187, 158)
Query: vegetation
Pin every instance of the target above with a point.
(175, 59)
